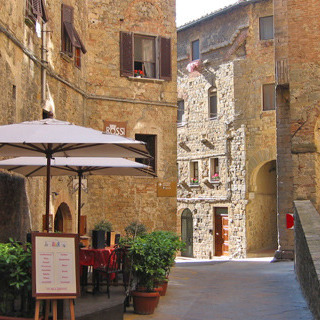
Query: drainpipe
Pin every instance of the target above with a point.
(44, 61)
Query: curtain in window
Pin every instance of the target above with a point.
(148, 57)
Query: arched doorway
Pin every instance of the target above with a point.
(187, 232)
(262, 231)
(63, 219)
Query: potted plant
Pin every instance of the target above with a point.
(16, 300)
(170, 245)
(135, 229)
(152, 255)
(99, 232)
(138, 73)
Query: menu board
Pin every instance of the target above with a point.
(55, 264)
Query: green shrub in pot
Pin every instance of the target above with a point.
(152, 255)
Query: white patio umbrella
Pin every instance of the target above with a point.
(37, 166)
(54, 138)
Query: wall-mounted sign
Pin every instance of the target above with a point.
(167, 189)
(113, 127)
(55, 264)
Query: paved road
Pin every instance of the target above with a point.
(231, 290)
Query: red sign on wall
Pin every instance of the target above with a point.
(114, 127)
(290, 220)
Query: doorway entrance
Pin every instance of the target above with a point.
(63, 219)
(187, 232)
(221, 232)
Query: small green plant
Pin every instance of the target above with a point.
(15, 276)
(135, 229)
(103, 225)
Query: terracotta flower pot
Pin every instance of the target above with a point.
(158, 289)
(164, 286)
(145, 302)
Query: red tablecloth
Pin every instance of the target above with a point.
(98, 258)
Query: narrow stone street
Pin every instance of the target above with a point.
(231, 290)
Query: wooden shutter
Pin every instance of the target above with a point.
(165, 58)
(36, 8)
(79, 43)
(44, 13)
(67, 14)
(126, 54)
(83, 225)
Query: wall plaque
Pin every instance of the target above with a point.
(55, 265)
(167, 189)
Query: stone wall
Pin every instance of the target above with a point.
(90, 95)
(14, 209)
(307, 252)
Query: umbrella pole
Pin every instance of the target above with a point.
(79, 201)
(48, 191)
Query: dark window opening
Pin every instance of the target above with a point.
(180, 116)
(266, 28)
(195, 50)
(213, 103)
(150, 141)
(268, 91)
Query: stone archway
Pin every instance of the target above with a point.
(261, 213)
(63, 219)
(187, 232)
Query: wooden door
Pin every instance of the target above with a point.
(221, 232)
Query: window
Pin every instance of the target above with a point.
(145, 56)
(214, 169)
(35, 9)
(194, 172)
(180, 117)
(69, 36)
(213, 103)
(268, 92)
(150, 141)
(77, 57)
(195, 50)
(266, 28)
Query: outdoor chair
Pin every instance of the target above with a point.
(114, 267)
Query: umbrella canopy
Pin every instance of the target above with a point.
(64, 139)
(54, 138)
(37, 166)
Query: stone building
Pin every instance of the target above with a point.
(227, 132)
(78, 59)
(298, 107)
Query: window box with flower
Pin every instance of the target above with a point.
(138, 73)
(215, 178)
(194, 182)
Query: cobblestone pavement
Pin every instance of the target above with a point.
(231, 290)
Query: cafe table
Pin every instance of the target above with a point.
(96, 259)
